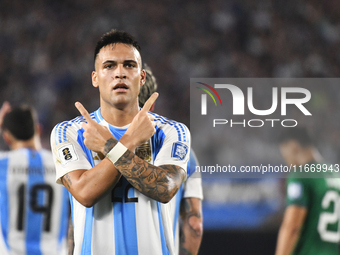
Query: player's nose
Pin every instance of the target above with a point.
(120, 72)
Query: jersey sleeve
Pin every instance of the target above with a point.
(193, 185)
(297, 192)
(175, 149)
(68, 153)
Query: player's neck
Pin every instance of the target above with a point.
(30, 144)
(119, 117)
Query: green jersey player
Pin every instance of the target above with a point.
(311, 219)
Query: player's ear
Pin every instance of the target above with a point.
(94, 79)
(143, 77)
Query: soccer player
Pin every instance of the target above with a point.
(188, 201)
(311, 219)
(33, 208)
(119, 201)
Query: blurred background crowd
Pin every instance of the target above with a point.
(46, 51)
(46, 46)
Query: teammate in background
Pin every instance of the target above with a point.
(33, 208)
(119, 201)
(311, 219)
(188, 201)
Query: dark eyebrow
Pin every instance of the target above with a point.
(125, 62)
(130, 61)
(109, 61)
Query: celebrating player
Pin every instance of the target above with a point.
(311, 219)
(34, 210)
(188, 201)
(118, 199)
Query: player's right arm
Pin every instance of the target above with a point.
(294, 216)
(87, 184)
(290, 229)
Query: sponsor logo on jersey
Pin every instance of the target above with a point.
(67, 154)
(179, 150)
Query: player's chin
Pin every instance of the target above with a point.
(121, 100)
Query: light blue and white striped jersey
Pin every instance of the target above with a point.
(34, 210)
(192, 187)
(123, 222)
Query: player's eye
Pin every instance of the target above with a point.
(130, 65)
(108, 66)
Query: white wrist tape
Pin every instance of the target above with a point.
(116, 152)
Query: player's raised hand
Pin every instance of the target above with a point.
(5, 108)
(96, 136)
(142, 126)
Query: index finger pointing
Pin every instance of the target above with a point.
(150, 102)
(83, 112)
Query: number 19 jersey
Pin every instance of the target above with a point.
(34, 210)
(124, 221)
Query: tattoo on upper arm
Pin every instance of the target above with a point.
(66, 180)
(152, 181)
(110, 143)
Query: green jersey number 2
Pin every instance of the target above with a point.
(328, 218)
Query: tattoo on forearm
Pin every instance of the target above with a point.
(66, 180)
(149, 179)
(109, 145)
(187, 210)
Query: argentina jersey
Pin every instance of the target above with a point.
(124, 221)
(34, 210)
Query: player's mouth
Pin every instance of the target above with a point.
(120, 87)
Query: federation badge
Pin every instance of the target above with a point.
(179, 150)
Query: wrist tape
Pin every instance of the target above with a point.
(116, 152)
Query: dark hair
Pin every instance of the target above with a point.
(149, 87)
(20, 122)
(298, 134)
(113, 37)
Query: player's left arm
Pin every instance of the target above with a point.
(289, 232)
(192, 225)
(160, 183)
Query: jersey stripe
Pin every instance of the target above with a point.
(99, 116)
(161, 230)
(34, 220)
(87, 241)
(125, 224)
(178, 198)
(181, 131)
(64, 217)
(61, 129)
(4, 193)
(157, 142)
